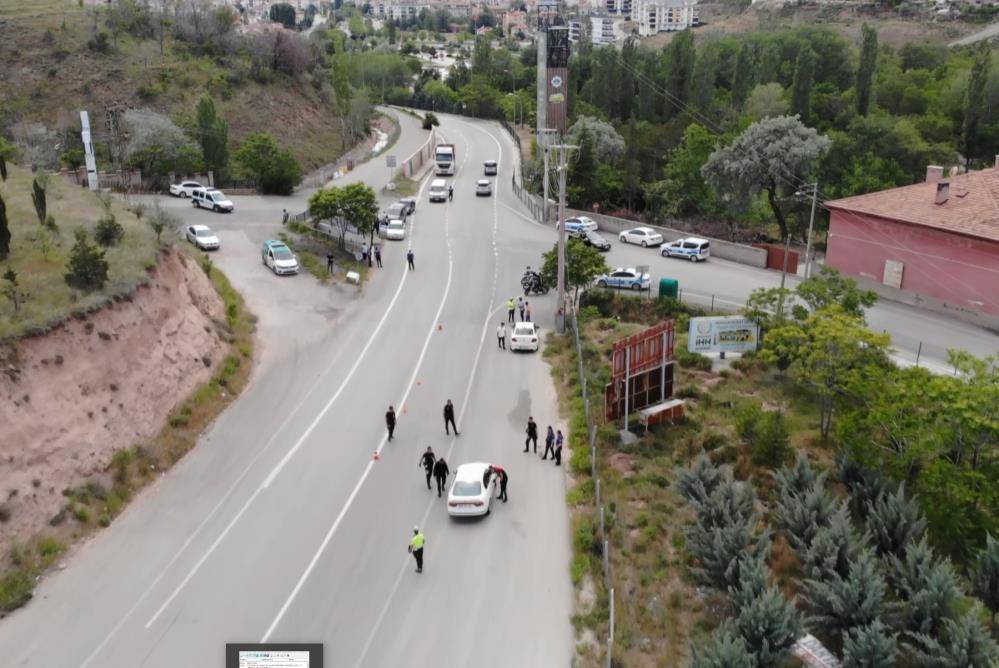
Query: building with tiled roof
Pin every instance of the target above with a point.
(936, 241)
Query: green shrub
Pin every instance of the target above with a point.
(49, 548)
(88, 270)
(108, 231)
(578, 568)
(690, 360)
(747, 421)
(15, 590)
(81, 514)
(771, 447)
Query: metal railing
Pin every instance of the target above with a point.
(603, 539)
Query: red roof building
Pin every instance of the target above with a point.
(936, 241)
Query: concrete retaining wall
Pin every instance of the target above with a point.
(956, 311)
(726, 250)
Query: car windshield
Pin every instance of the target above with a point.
(395, 225)
(204, 233)
(467, 488)
(524, 331)
(282, 253)
(396, 209)
(218, 197)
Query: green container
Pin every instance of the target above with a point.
(669, 287)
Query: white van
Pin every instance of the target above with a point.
(438, 190)
(204, 198)
(691, 248)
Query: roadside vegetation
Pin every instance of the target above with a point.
(812, 487)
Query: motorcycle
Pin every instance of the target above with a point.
(532, 282)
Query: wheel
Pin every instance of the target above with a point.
(665, 253)
(215, 208)
(645, 244)
(527, 292)
(184, 194)
(602, 283)
(622, 239)
(195, 204)
(636, 286)
(693, 258)
(545, 290)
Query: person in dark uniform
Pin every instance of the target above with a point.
(390, 421)
(441, 472)
(503, 478)
(449, 418)
(532, 435)
(549, 443)
(558, 448)
(378, 255)
(427, 461)
(450, 193)
(409, 258)
(329, 262)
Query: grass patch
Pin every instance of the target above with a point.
(39, 255)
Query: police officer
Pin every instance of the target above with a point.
(441, 472)
(416, 544)
(532, 435)
(510, 308)
(558, 448)
(549, 443)
(449, 418)
(450, 193)
(390, 421)
(427, 461)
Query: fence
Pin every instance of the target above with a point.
(414, 163)
(532, 202)
(591, 430)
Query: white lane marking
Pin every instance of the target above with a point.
(381, 445)
(490, 312)
(270, 478)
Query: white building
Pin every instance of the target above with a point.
(619, 7)
(398, 10)
(601, 30)
(655, 16)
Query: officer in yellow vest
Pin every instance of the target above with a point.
(416, 548)
(510, 307)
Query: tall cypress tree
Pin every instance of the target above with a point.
(745, 74)
(213, 136)
(865, 70)
(4, 231)
(680, 71)
(974, 104)
(801, 88)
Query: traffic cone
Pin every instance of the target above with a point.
(440, 328)
(377, 456)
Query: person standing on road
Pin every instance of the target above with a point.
(449, 418)
(549, 443)
(510, 308)
(390, 421)
(284, 216)
(501, 336)
(409, 258)
(441, 472)
(532, 435)
(416, 544)
(527, 311)
(503, 478)
(450, 193)
(520, 307)
(427, 461)
(558, 448)
(378, 255)
(329, 261)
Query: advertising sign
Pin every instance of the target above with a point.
(728, 334)
(557, 74)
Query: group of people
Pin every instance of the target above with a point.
(520, 304)
(553, 441)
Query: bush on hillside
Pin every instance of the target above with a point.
(88, 270)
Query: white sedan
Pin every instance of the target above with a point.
(202, 237)
(184, 188)
(395, 230)
(471, 491)
(483, 187)
(525, 337)
(644, 236)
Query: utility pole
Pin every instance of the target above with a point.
(563, 170)
(543, 140)
(811, 225)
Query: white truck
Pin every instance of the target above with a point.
(444, 159)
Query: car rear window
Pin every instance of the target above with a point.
(467, 488)
(524, 331)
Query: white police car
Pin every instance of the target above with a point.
(694, 249)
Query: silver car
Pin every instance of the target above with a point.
(483, 187)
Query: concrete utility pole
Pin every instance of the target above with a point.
(543, 142)
(811, 225)
(563, 171)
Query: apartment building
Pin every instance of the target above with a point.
(399, 10)
(655, 16)
(618, 7)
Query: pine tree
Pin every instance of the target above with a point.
(38, 196)
(984, 575)
(840, 604)
(865, 485)
(745, 75)
(88, 270)
(865, 70)
(213, 136)
(833, 548)
(765, 619)
(870, 646)
(974, 105)
(4, 231)
(680, 70)
(697, 482)
(800, 516)
(725, 649)
(927, 589)
(894, 521)
(799, 478)
(801, 88)
(964, 643)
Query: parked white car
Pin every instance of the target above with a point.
(278, 257)
(212, 199)
(525, 336)
(694, 249)
(625, 277)
(202, 237)
(395, 230)
(185, 188)
(483, 187)
(579, 226)
(471, 491)
(643, 236)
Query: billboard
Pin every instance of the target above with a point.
(642, 371)
(557, 78)
(723, 334)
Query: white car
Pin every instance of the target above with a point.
(483, 187)
(202, 237)
(625, 277)
(438, 190)
(490, 168)
(185, 188)
(278, 258)
(644, 236)
(471, 491)
(211, 199)
(578, 226)
(525, 336)
(694, 249)
(395, 230)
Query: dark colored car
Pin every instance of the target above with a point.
(591, 238)
(410, 203)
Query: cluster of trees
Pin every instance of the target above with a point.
(887, 418)
(354, 206)
(871, 586)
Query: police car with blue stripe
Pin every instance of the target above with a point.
(691, 248)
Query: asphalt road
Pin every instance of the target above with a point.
(281, 524)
